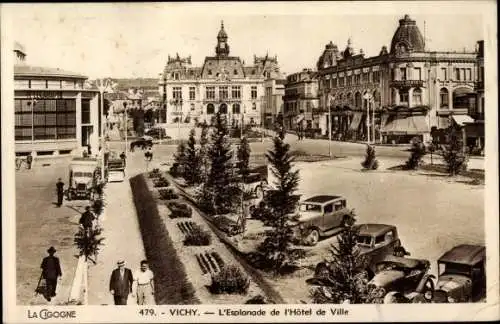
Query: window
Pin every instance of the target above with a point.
(417, 97)
(235, 72)
(402, 72)
(443, 96)
(192, 93)
(176, 76)
(457, 74)
(339, 205)
(328, 208)
(236, 92)
(358, 78)
(341, 81)
(444, 73)
(254, 92)
(481, 73)
(379, 239)
(348, 79)
(236, 108)
(376, 76)
(469, 74)
(366, 77)
(223, 93)
(210, 92)
(417, 74)
(209, 72)
(403, 96)
(254, 106)
(389, 237)
(223, 109)
(308, 106)
(210, 109)
(85, 111)
(177, 92)
(192, 107)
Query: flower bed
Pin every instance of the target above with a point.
(195, 235)
(167, 194)
(230, 280)
(161, 182)
(179, 209)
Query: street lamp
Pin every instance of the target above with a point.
(368, 96)
(178, 104)
(103, 86)
(126, 127)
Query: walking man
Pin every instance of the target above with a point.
(51, 270)
(120, 283)
(124, 158)
(29, 161)
(87, 219)
(60, 192)
(144, 285)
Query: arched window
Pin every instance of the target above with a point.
(236, 108)
(417, 97)
(210, 109)
(403, 96)
(192, 106)
(357, 100)
(443, 97)
(223, 109)
(349, 99)
(254, 106)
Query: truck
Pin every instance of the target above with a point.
(83, 178)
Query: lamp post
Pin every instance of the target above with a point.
(368, 97)
(242, 120)
(178, 104)
(126, 127)
(103, 86)
(163, 94)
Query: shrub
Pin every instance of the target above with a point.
(453, 153)
(197, 236)
(167, 194)
(230, 280)
(259, 299)
(88, 242)
(155, 173)
(417, 153)
(370, 162)
(98, 206)
(161, 182)
(226, 225)
(179, 210)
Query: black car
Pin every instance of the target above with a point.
(143, 142)
(157, 133)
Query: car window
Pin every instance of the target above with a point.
(310, 207)
(329, 208)
(364, 240)
(379, 239)
(389, 236)
(339, 205)
(454, 268)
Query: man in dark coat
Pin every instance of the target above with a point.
(120, 283)
(29, 161)
(87, 219)
(60, 192)
(51, 270)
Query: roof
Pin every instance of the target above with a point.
(28, 70)
(464, 254)
(408, 35)
(321, 199)
(462, 119)
(373, 229)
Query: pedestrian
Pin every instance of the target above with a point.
(29, 161)
(60, 192)
(124, 158)
(144, 290)
(51, 271)
(87, 219)
(120, 283)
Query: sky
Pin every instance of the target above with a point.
(129, 40)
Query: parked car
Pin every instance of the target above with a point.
(157, 133)
(321, 216)
(402, 280)
(143, 142)
(375, 243)
(461, 275)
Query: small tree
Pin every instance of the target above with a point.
(203, 153)
(370, 162)
(88, 242)
(243, 155)
(343, 278)
(192, 164)
(179, 161)
(220, 185)
(454, 153)
(277, 247)
(431, 148)
(417, 153)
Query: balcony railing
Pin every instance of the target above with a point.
(407, 83)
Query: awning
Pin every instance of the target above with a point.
(462, 119)
(383, 121)
(356, 119)
(412, 125)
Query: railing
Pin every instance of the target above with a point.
(407, 83)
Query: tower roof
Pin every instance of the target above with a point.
(222, 32)
(407, 37)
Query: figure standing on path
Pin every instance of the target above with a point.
(144, 285)
(29, 161)
(120, 283)
(124, 158)
(87, 219)
(60, 192)
(51, 270)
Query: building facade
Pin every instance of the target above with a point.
(301, 100)
(224, 84)
(403, 92)
(54, 113)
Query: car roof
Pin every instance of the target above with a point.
(407, 262)
(321, 199)
(373, 229)
(464, 254)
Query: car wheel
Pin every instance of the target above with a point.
(428, 292)
(313, 237)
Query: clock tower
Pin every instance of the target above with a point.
(222, 48)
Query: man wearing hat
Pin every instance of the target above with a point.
(120, 283)
(87, 219)
(51, 270)
(60, 192)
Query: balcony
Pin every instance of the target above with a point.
(407, 83)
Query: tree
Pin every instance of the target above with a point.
(192, 161)
(343, 280)
(203, 153)
(177, 168)
(370, 162)
(277, 247)
(220, 184)
(243, 155)
(454, 153)
(88, 242)
(417, 153)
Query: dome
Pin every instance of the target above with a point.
(222, 32)
(407, 37)
(328, 57)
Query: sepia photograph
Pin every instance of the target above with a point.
(294, 158)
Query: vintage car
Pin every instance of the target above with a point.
(321, 216)
(461, 275)
(375, 243)
(157, 133)
(402, 280)
(143, 142)
(83, 177)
